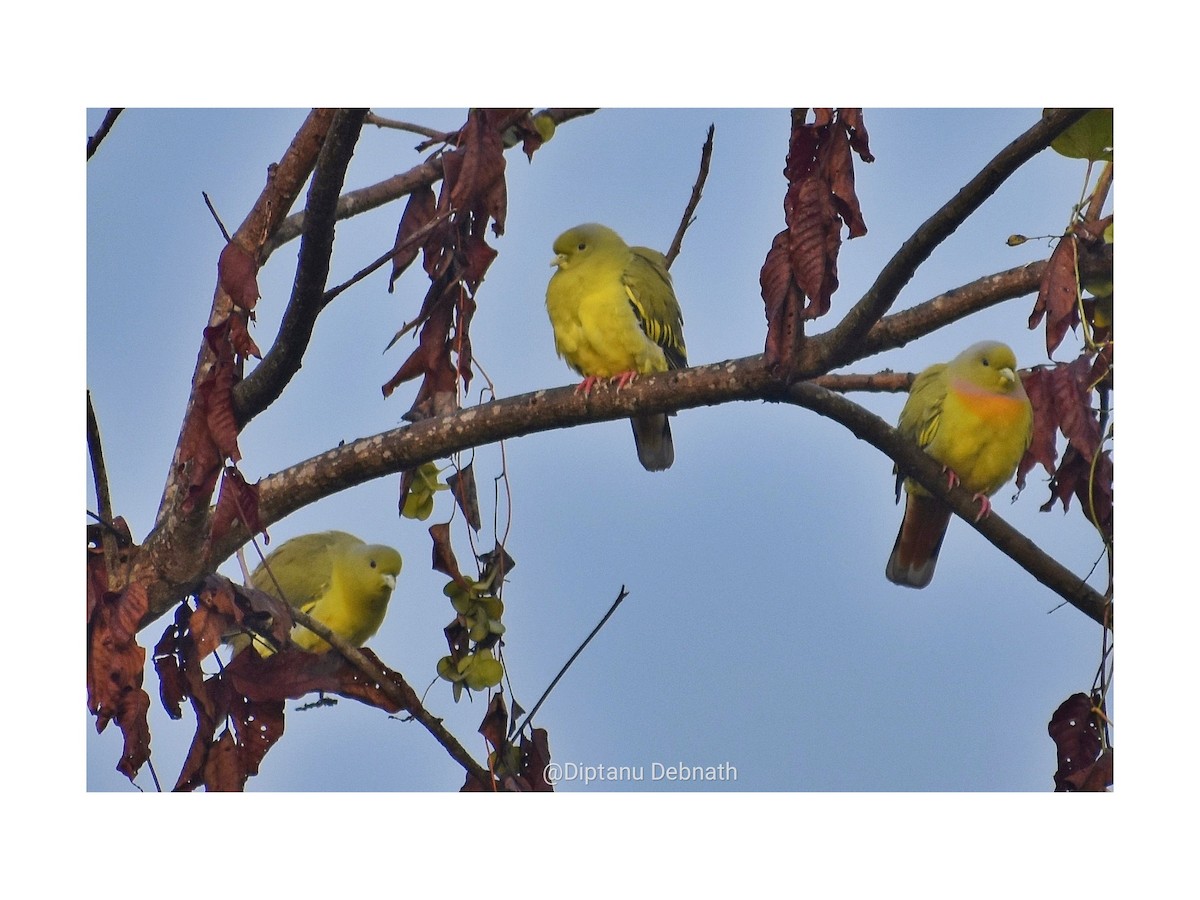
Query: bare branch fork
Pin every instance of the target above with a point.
(843, 340)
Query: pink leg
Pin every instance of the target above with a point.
(985, 506)
(951, 477)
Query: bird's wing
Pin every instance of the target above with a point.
(922, 413)
(302, 566)
(652, 297)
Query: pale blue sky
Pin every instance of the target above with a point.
(759, 630)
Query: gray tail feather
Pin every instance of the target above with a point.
(652, 434)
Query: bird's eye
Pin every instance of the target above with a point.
(372, 564)
(582, 246)
(985, 361)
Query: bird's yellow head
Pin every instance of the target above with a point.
(582, 242)
(370, 571)
(989, 365)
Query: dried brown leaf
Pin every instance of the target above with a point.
(115, 664)
(799, 275)
(294, 673)
(462, 484)
(496, 564)
(237, 273)
(784, 302)
(1043, 447)
(239, 337)
(236, 502)
(444, 560)
(535, 756)
(1058, 296)
(1076, 732)
(420, 209)
(216, 392)
(494, 726)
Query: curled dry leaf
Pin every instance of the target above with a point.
(444, 560)
(799, 275)
(1058, 297)
(115, 663)
(237, 273)
(237, 501)
(462, 484)
(1076, 731)
(418, 211)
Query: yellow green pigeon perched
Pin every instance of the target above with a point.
(972, 416)
(334, 577)
(615, 317)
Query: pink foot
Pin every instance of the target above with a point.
(588, 385)
(985, 506)
(625, 379)
(951, 478)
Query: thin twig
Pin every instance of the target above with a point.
(563, 671)
(108, 534)
(216, 218)
(415, 238)
(99, 473)
(694, 200)
(381, 122)
(102, 132)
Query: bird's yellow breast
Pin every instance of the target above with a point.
(595, 329)
(982, 437)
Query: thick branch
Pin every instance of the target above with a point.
(260, 389)
(180, 537)
(436, 438)
(916, 463)
(841, 342)
(958, 303)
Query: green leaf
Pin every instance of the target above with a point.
(1090, 138)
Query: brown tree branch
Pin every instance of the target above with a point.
(260, 389)
(840, 343)
(179, 547)
(397, 125)
(110, 117)
(1100, 194)
(958, 303)
(368, 458)
(914, 462)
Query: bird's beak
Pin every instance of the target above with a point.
(1008, 376)
(390, 581)
(559, 261)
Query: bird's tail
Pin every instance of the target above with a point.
(916, 551)
(652, 434)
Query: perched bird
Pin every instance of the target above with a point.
(972, 416)
(335, 578)
(615, 317)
